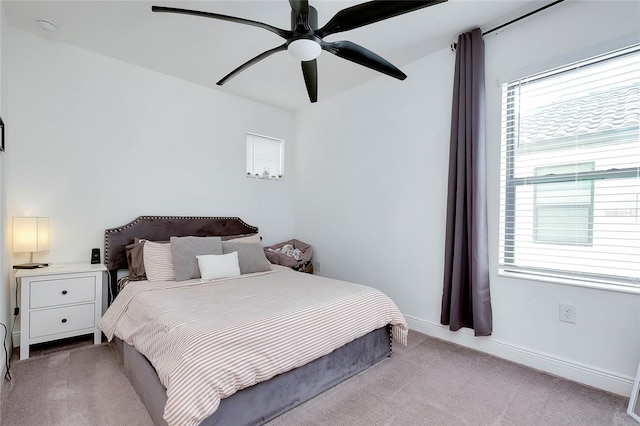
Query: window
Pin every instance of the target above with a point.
(563, 210)
(570, 171)
(264, 157)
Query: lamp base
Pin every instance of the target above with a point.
(31, 265)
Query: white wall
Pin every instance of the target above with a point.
(372, 174)
(96, 142)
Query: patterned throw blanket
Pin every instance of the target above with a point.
(208, 340)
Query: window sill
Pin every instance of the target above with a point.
(264, 178)
(620, 288)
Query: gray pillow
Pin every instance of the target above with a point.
(184, 251)
(250, 256)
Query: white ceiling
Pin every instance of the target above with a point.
(203, 50)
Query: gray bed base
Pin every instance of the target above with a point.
(264, 401)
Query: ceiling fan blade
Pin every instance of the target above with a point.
(358, 54)
(251, 62)
(310, 73)
(370, 12)
(282, 33)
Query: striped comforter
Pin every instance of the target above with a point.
(208, 340)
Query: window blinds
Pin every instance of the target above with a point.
(570, 171)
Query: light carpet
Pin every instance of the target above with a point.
(430, 382)
(83, 385)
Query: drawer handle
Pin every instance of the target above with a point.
(64, 291)
(64, 320)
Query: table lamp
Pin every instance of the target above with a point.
(30, 234)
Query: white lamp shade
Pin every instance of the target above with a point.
(30, 234)
(304, 49)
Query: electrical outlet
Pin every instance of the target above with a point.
(317, 267)
(568, 312)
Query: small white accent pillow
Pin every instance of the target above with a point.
(158, 261)
(215, 266)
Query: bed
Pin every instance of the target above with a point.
(292, 364)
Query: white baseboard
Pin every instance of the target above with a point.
(16, 339)
(581, 373)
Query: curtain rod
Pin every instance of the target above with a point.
(454, 44)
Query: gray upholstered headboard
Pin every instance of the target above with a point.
(162, 228)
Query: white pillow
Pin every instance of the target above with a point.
(158, 261)
(214, 266)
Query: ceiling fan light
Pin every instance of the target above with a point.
(304, 49)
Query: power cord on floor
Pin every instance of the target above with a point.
(7, 354)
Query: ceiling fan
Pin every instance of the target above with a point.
(305, 40)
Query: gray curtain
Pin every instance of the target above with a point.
(466, 300)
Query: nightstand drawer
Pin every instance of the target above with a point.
(61, 320)
(55, 292)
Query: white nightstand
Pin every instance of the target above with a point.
(59, 301)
